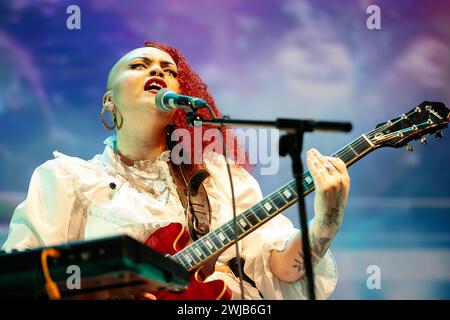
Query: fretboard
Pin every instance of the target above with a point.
(221, 238)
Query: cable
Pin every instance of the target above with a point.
(50, 285)
(233, 201)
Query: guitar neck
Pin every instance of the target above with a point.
(218, 240)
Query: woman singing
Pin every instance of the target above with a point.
(130, 188)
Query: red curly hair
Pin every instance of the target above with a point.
(192, 85)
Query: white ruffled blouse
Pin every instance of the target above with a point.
(69, 199)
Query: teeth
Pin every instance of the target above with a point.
(154, 84)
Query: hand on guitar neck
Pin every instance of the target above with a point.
(332, 184)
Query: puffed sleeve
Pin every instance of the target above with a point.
(273, 235)
(43, 219)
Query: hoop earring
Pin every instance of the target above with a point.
(105, 124)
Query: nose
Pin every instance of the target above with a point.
(156, 71)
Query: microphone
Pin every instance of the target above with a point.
(166, 100)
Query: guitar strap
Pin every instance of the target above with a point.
(191, 192)
(193, 197)
(195, 201)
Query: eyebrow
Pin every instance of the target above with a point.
(147, 60)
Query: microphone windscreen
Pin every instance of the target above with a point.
(159, 100)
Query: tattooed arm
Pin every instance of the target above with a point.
(332, 187)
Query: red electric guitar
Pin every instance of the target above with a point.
(200, 257)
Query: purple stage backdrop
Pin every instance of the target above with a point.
(262, 60)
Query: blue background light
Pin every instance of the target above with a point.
(261, 60)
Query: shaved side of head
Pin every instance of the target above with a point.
(112, 74)
(113, 71)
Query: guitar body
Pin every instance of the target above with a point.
(170, 240)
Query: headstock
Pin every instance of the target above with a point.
(426, 118)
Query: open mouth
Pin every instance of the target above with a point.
(154, 84)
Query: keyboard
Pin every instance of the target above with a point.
(118, 267)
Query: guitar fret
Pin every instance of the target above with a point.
(230, 227)
(293, 187)
(288, 194)
(209, 244)
(223, 236)
(368, 140)
(243, 222)
(215, 239)
(202, 246)
(308, 180)
(260, 212)
(344, 156)
(304, 182)
(270, 199)
(353, 150)
(278, 199)
(198, 251)
(269, 207)
(360, 145)
(182, 261)
(194, 256)
(252, 217)
(190, 261)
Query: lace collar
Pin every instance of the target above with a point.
(110, 156)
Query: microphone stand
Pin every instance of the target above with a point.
(290, 144)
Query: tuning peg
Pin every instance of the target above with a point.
(439, 135)
(423, 141)
(409, 148)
